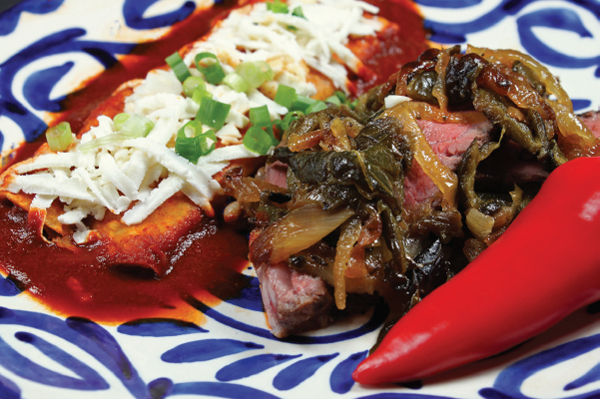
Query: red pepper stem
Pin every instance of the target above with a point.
(545, 266)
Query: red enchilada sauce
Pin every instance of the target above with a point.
(208, 258)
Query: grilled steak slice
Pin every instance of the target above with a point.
(293, 301)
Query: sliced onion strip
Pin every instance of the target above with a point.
(302, 228)
(348, 238)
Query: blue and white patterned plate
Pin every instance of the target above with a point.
(48, 47)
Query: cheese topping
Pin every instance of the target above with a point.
(134, 176)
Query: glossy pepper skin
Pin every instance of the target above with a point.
(545, 266)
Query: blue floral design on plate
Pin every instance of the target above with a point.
(232, 354)
(10, 18)
(133, 11)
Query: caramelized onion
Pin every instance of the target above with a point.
(339, 132)
(507, 57)
(440, 174)
(480, 224)
(500, 79)
(439, 88)
(425, 111)
(568, 123)
(299, 142)
(348, 238)
(247, 189)
(300, 229)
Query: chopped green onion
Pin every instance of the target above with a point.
(236, 82)
(278, 123)
(301, 103)
(193, 146)
(120, 119)
(271, 133)
(192, 129)
(59, 137)
(298, 12)
(209, 65)
(136, 126)
(191, 84)
(187, 147)
(255, 72)
(260, 116)
(277, 7)
(200, 93)
(212, 113)
(334, 100)
(176, 63)
(289, 118)
(207, 141)
(342, 96)
(285, 96)
(353, 104)
(316, 107)
(257, 140)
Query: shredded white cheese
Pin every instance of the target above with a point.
(255, 33)
(133, 177)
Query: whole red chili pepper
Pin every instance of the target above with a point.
(545, 266)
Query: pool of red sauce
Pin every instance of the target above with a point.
(210, 257)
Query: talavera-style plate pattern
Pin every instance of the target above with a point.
(48, 47)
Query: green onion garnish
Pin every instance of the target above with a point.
(316, 107)
(289, 118)
(285, 96)
(298, 12)
(301, 103)
(255, 72)
(120, 119)
(277, 6)
(191, 143)
(199, 93)
(209, 65)
(136, 126)
(207, 141)
(236, 82)
(187, 147)
(212, 113)
(271, 134)
(257, 140)
(192, 129)
(191, 84)
(59, 137)
(278, 123)
(334, 100)
(176, 63)
(260, 116)
(342, 96)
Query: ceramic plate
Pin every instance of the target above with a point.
(49, 47)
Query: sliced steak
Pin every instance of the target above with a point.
(449, 141)
(293, 301)
(276, 173)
